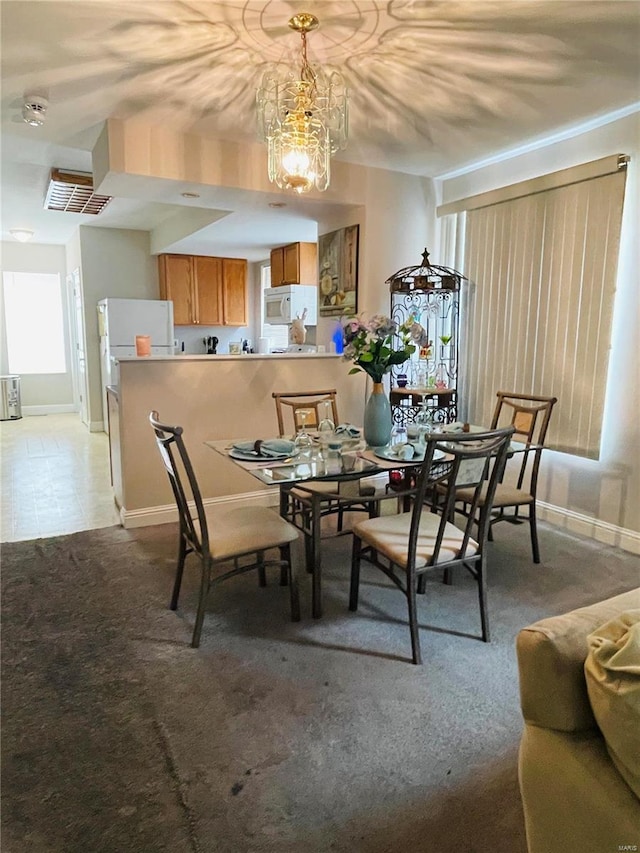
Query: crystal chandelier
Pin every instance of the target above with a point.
(303, 118)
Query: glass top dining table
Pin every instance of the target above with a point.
(352, 462)
(317, 464)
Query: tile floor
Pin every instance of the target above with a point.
(54, 478)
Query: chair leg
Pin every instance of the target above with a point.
(340, 520)
(482, 595)
(182, 554)
(447, 577)
(284, 569)
(202, 601)
(534, 532)
(413, 622)
(292, 578)
(262, 572)
(422, 584)
(355, 573)
(308, 553)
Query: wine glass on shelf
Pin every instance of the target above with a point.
(441, 373)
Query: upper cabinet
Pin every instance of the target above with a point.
(296, 263)
(205, 291)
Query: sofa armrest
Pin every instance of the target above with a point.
(551, 655)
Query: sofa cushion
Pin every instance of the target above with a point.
(612, 671)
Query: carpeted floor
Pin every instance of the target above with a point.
(319, 736)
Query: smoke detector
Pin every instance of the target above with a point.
(34, 110)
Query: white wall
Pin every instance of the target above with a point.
(114, 262)
(397, 222)
(600, 498)
(51, 391)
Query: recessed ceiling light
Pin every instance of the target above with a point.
(23, 235)
(190, 195)
(277, 204)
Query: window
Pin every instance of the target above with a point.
(542, 256)
(34, 323)
(278, 335)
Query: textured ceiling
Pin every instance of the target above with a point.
(434, 85)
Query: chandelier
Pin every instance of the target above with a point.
(303, 118)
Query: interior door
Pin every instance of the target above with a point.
(79, 359)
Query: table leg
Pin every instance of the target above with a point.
(316, 596)
(284, 501)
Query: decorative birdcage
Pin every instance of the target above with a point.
(431, 294)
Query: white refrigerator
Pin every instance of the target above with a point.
(119, 321)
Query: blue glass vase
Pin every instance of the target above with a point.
(377, 418)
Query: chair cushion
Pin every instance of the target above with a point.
(505, 495)
(389, 534)
(335, 491)
(246, 529)
(318, 487)
(612, 672)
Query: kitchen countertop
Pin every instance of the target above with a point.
(228, 357)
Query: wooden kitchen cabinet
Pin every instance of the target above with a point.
(205, 291)
(296, 263)
(234, 292)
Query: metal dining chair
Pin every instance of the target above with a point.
(407, 546)
(529, 415)
(307, 504)
(221, 536)
(314, 404)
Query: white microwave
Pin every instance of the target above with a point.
(283, 304)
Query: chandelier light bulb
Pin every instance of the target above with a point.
(302, 117)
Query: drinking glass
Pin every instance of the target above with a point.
(424, 418)
(303, 440)
(326, 426)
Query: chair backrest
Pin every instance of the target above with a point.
(183, 483)
(474, 461)
(530, 415)
(314, 403)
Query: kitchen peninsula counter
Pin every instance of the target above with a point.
(211, 397)
(231, 357)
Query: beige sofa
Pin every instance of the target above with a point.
(578, 786)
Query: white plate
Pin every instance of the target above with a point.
(253, 457)
(388, 454)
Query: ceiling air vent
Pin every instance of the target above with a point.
(72, 192)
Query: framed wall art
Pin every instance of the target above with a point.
(338, 266)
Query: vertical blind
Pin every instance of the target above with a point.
(539, 316)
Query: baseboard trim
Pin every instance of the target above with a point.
(168, 513)
(592, 528)
(574, 522)
(57, 409)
